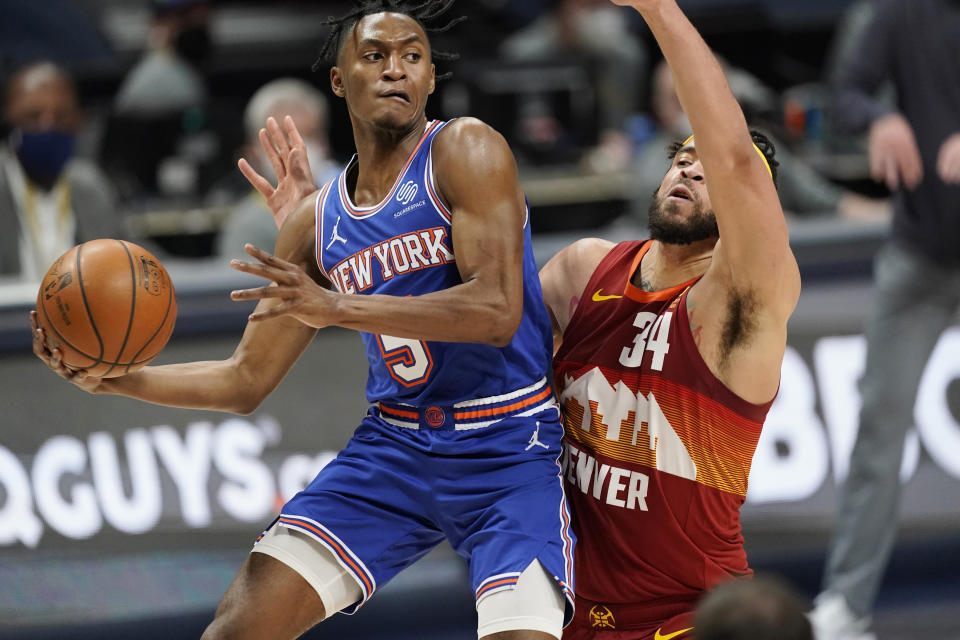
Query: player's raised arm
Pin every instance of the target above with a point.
(477, 178)
(754, 247)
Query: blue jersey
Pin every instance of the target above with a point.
(403, 247)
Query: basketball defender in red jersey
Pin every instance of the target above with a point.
(668, 358)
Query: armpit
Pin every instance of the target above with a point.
(740, 323)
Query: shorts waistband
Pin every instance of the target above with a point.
(629, 617)
(471, 414)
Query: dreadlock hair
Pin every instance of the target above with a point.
(760, 139)
(425, 12)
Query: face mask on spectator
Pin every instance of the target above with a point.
(43, 154)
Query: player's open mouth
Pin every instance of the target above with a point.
(680, 192)
(400, 95)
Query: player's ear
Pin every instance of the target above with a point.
(336, 82)
(433, 79)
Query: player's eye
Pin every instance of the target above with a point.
(373, 56)
(413, 56)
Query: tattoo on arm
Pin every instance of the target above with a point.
(695, 329)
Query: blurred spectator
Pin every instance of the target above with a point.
(843, 46)
(49, 199)
(597, 30)
(158, 140)
(802, 190)
(915, 150)
(168, 77)
(250, 219)
(762, 608)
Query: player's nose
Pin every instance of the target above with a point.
(693, 172)
(393, 69)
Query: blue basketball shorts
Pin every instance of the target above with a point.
(394, 493)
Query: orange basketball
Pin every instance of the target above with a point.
(108, 305)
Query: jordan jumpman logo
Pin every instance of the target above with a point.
(336, 236)
(535, 439)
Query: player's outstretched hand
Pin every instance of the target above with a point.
(948, 160)
(894, 154)
(53, 359)
(288, 154)
(299, 295)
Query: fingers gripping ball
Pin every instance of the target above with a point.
(108, 305)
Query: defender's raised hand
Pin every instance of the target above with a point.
(288, 154)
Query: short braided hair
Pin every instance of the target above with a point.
(425, 12)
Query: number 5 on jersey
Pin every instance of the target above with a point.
(408, 360)
(649, 325)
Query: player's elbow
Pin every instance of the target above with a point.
(244, 402)
(247, 391)
(503, 324)
(246, 406)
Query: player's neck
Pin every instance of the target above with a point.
(381, 155)
(667, 265)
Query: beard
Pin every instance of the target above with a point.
(667, 227)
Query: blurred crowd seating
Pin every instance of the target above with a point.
(171, 149)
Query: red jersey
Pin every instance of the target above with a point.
(657, 452)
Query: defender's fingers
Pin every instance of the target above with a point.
(255, 179)
(273, 155)
(290, 127)
(278, 136)
(299, 165)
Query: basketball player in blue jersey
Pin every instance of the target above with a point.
(423, 245)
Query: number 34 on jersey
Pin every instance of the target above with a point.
(652, 337)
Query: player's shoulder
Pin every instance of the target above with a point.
(569, 270)
(461, 134)
(583, 255)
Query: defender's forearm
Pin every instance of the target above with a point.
(701, 85)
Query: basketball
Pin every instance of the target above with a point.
(108, 305)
